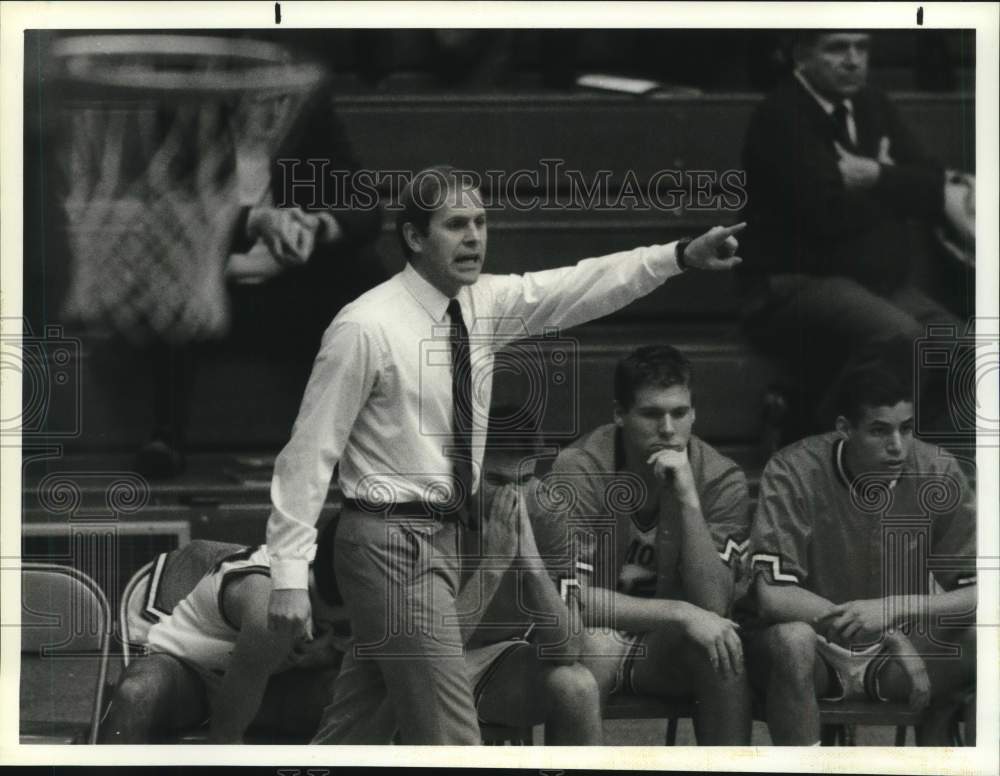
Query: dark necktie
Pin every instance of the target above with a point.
(461, 392)
(840, 116)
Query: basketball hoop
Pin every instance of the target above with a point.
(154, 128)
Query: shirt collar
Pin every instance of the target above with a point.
(430, 298)
(827, 106)
(844, 474)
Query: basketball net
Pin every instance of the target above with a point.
(155, 123)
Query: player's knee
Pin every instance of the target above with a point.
(571, 687)
(137, 696)
(792, 651)
(133, 712)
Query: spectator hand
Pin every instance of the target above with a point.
(716, 249)
(858, 172)
(884, 157)
(288, 233)
(958, 234)
(329, 228)
(717, 636)
(290, 613)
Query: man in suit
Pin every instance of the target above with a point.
(833, 179)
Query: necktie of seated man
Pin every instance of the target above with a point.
(841, 117)
(461, 391)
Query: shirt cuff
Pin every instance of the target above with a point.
(662, 260)
(289, 574)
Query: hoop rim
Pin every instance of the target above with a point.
(267, 66)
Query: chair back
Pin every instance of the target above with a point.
(65, 631)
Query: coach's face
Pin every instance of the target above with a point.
(881, 439)
(659, 418)
(836, 64)
(452, 253)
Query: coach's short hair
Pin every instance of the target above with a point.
(425, 193)
(652, 365)
(880, 384)
(326, 580)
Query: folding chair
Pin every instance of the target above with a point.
(153, 592)
(838, 720)
(648, 707)
(65, 636)
(505, 735)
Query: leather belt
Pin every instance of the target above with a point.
(415, 509)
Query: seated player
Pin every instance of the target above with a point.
(517, 613)
(522, 655)
(213, 658)
(675, 516)
(848, 525)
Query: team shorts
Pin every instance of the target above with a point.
(620, 649)
(484, 662)
(853, 675)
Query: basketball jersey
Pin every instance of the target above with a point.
(847, 538)
(637, 575)
(636, 558)
(199, 630)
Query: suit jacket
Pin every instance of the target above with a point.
(802, 218)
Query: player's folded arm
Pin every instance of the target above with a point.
(257, 653)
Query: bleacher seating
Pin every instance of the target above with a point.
(245, 404)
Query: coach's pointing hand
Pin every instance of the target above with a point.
(289, 612)
(716, 249)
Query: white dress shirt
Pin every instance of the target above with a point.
(379, 400)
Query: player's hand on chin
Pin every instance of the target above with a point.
(673, 468)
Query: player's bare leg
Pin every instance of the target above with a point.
(782, 663)
(673, 666)
(294, 701)
(528, 690)
(949, 677)
(155, 696)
